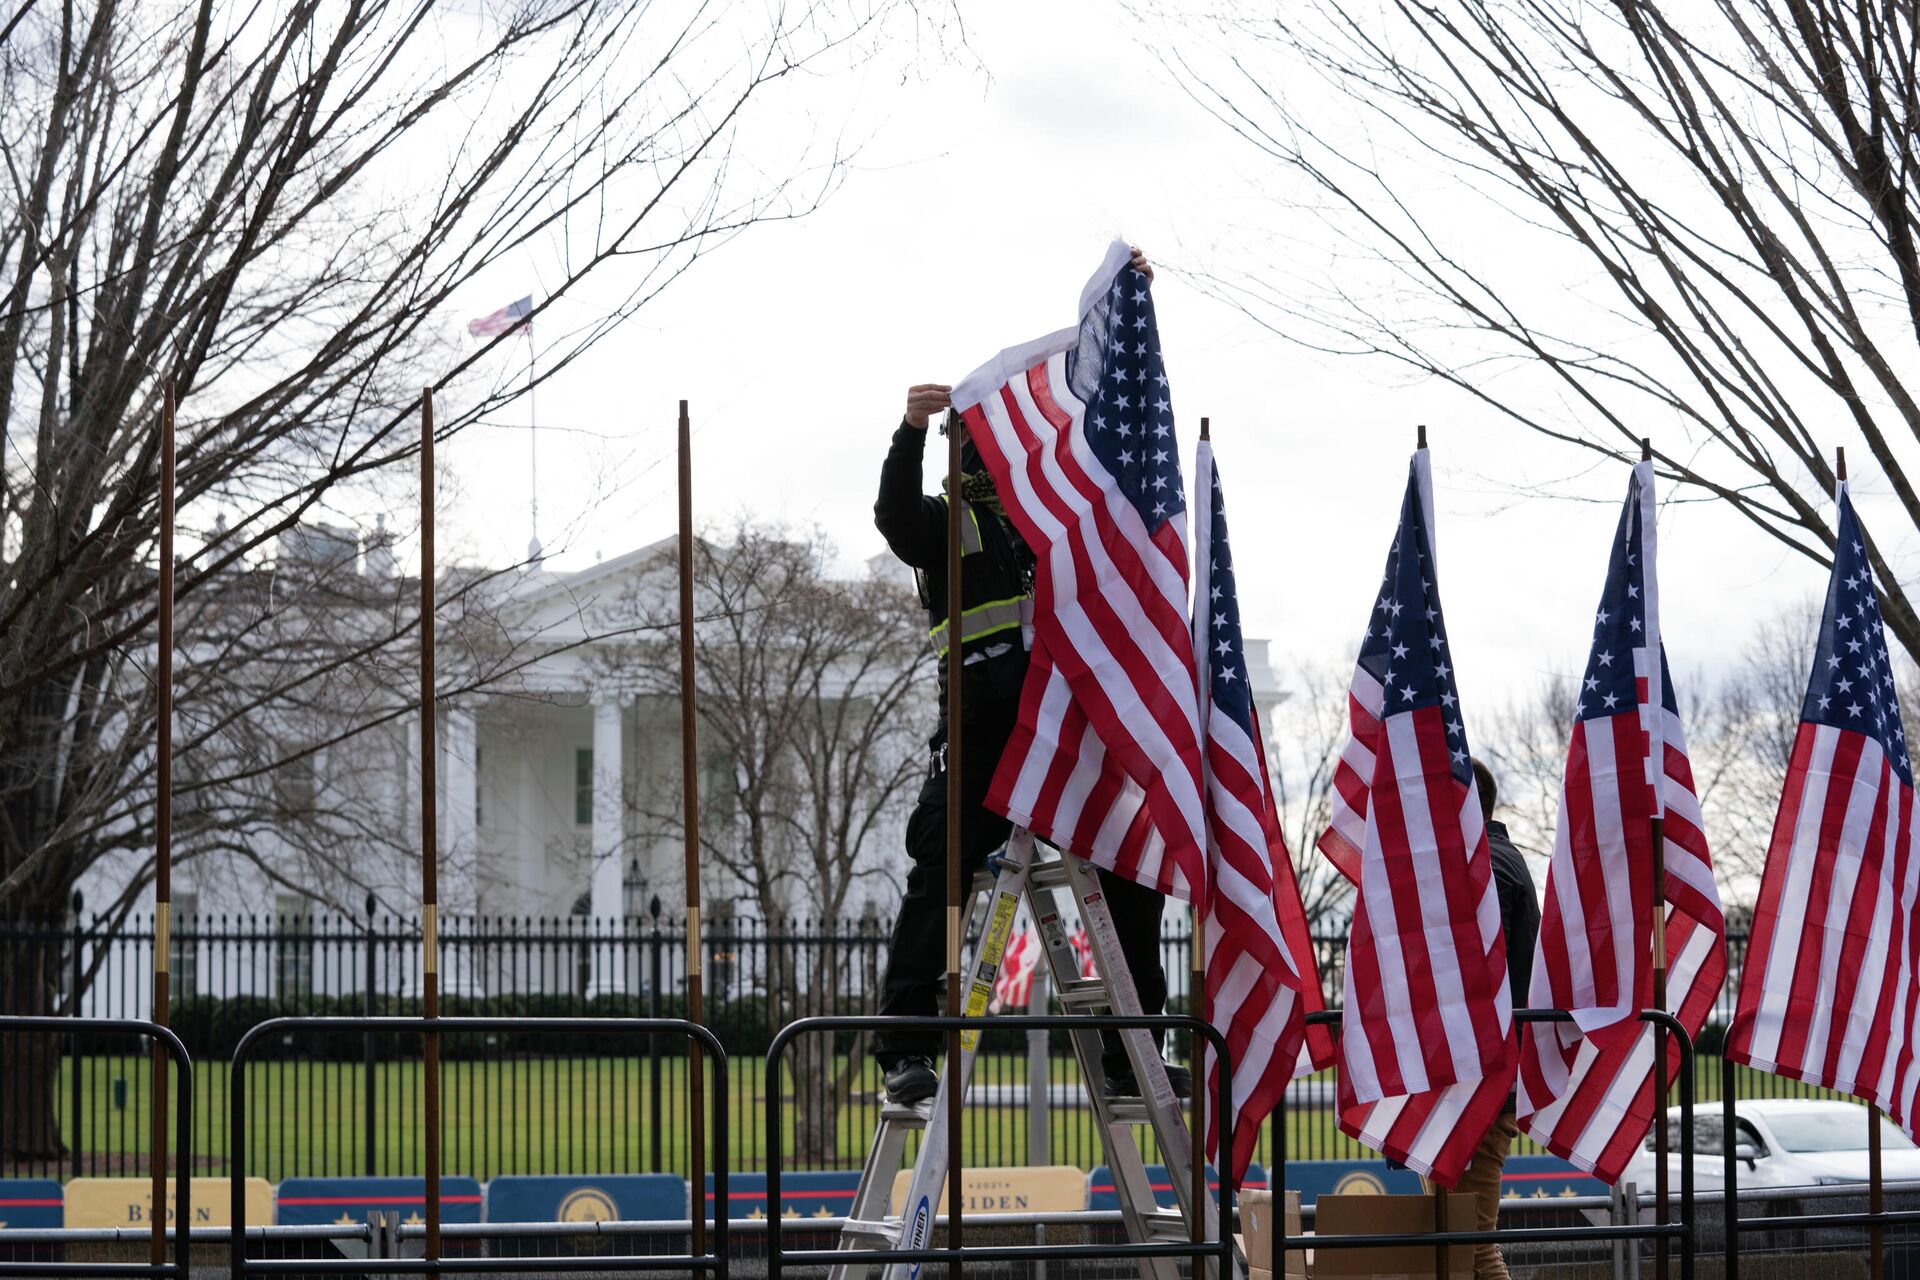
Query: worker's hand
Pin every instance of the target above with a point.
(926, 400)
(1140, 263)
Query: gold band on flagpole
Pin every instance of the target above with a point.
(162, 936)
(430, 937)
(953, 939)
(693, 939)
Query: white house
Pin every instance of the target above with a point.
(546, 776)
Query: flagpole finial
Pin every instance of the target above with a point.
(1205, 429)
(1420, 436)
(1646, 448)
(1840, 463)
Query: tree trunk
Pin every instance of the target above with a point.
(29, 1063)
(820, 1086)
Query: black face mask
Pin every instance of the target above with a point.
(970, 459)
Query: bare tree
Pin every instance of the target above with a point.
(274, 206)
(1698, 221)
(1524, 743)
(1310, 730)
(813, 709)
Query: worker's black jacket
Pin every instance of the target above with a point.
(996, 575)
(1519, 909)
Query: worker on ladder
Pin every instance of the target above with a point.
(996, 590)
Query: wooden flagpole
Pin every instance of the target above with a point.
(1656, 833)
(1439, 1192)
(163, 835)
(690, 800)
(1876, 1193)
(956, 499)
(429, 836)
(1198, 987)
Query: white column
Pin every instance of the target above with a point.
(609, 842)
(459, 847)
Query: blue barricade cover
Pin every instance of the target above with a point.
(811, 1193)
(641, 1197)
(1542, 1177)
(1315, 1178)
(314, 1201)
(31, 1202)
(1100, 1193)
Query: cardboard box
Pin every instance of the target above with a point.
(1256, 1223)
(1389, 1215)
(1037, 1189)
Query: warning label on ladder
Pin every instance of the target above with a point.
(993, 947)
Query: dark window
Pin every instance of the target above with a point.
(293, 786)
(292, 948)
(583, 787)
(183, 957)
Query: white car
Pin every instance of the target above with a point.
(1780, 1142)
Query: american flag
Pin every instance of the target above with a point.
(1427, 1044)
(505, 320)
(1262, 978)
(1083, 947)
(1013, 988)
(1827, 994)
(1586, 1087)
(1077, 431)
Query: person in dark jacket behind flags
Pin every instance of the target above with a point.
(996, 585)
(1520, 922)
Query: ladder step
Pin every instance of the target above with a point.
(914, 1115)
(869, 1235)
(1128, 1111)
(1051, 874)
(1085, 993)
(1167, 1224)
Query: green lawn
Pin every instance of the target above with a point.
(531, 1115)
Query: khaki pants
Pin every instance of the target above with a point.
(1482, 1182)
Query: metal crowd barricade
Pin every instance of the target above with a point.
(1220, 1248)
(182, 1154)
(1683, 1230)
(714, 1261)
(1730, 1172)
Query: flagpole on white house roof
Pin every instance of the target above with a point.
(533, 455)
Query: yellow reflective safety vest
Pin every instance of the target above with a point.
(996, 586)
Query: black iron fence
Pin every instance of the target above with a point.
(351, 1105)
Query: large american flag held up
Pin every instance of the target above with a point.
(1262, 978)
(1827, 994)
(505, 320)
(1077, 431)
(1585, 1088)
(1427, 1044)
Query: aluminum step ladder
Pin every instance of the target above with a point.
(1022, 870)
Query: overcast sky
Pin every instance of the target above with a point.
(983, 197)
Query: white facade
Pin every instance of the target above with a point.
(546, 783)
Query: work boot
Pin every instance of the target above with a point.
(1121, 1082)
(910, 1080)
